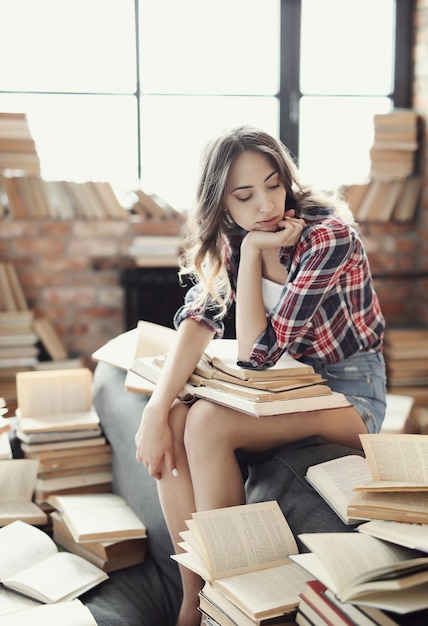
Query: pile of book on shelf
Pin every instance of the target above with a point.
(153, 207)
(393, 189)
(287, 387)
(28, 196)
(379, 572)
(58, 426)
(43, 584)
(17, 146)
(244, 555)
(102, 528)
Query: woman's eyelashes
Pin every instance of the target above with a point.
(270, 188)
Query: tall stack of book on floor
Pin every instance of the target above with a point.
(102, 528)
(58, 426)
(244, 584)
(386, 493)
(394, 186)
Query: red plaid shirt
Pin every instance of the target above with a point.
(328, 308)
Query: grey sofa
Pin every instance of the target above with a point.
(149, 594)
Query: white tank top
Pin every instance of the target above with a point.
(271, 294)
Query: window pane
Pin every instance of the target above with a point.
(335, 139)
(347, 47)
(175, 129)
(82, 137)
(201, 47)
(63, 45)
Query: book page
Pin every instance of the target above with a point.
(61, 576)
(397, 457)
(22, 545)
(72, 613)
(413, 536)
(334, 480)
(11, 601)
(17, 479)
(266, 592)
(243, 538)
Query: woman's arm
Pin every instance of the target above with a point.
(250, 311)
(153, 439)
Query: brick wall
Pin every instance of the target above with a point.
(70, 272)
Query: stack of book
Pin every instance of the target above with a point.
(394, 187)
(17, 147)
(101, 528)
(288, 387)
(389, 488)
(58, 426)
(243, 553)
(18, 340)
(406, 351)
(31, 197)
(395, 145)
(384, 200)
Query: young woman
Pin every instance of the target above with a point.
(296, 268)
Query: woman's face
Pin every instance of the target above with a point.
(255, 196)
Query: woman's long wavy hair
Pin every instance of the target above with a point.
(204, 257)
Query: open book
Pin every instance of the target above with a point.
(243, 551)
(362, 569)
(397, 462)
(405, 534)
(347, 483)
(15, 610)
(98, 517)
(31, 564)
(335, 480)
(17, 485)
(55, 400)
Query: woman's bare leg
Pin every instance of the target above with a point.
(206, 437)
(213, 434)
(178, 504)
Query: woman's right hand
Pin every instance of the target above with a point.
(154, 442)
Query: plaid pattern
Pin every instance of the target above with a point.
(328, 308)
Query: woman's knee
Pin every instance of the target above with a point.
(202, 428)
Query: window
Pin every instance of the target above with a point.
(130, 90)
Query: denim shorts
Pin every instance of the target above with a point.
(362, 379)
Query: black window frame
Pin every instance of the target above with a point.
(290, 94)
